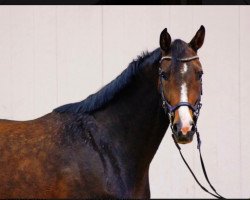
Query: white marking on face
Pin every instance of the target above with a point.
(184, 113)
(184, 69)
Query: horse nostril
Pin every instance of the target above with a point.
(175, 128)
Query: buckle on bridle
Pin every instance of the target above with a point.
(171, 115)
(164, 104)
(197, 111)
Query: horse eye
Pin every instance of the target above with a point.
(164, 75)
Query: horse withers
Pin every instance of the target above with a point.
(103, 146)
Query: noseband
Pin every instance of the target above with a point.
(196, 110)
(169, 109)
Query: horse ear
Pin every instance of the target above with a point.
(165, 40)
(198, 39)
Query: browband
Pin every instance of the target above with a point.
(179, 59)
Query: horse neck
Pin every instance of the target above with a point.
(135, 120)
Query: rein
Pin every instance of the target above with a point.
(168, 109)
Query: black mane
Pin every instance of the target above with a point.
(106, 94)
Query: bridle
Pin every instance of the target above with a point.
(169, 109)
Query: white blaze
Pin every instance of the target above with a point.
(184, 69)
(184, 113)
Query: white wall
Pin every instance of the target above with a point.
(52, 55)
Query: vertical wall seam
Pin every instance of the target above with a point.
(11, 62)
(170, 27)
(56, 42)
(239, 55)
(102, 43)
(33, 67)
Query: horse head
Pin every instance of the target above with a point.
(180, 83)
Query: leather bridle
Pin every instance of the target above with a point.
(169, 109)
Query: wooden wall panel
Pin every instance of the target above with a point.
(79, 52)
(244, 101)
(45, 59)
(5, 63)
(22, 61)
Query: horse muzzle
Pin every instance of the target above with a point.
(183, 138)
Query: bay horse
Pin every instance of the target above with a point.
(102, 147)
